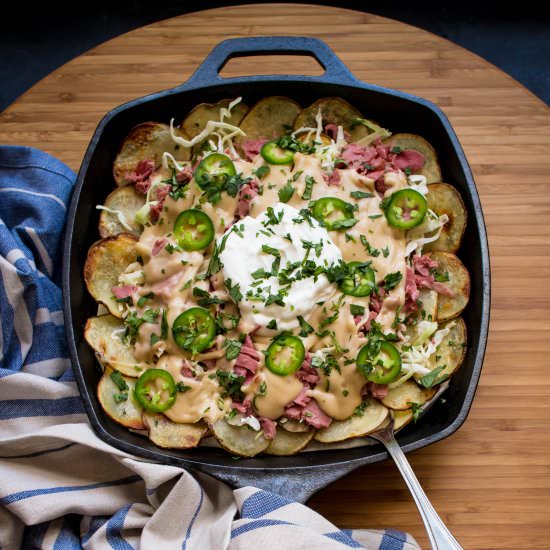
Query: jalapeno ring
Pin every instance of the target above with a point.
(406, 209)
(384, 367)
(194, 329)
(193, 229)
(155, 390)
(285, 354)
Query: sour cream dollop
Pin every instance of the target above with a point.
(277, 240)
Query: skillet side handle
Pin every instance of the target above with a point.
(208, 71)
(296, 484)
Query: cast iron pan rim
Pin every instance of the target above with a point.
(348, 81)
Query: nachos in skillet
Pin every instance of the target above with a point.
(275, 275)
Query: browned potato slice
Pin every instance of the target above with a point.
(401, 419)
(334, 110)
(195, 122)
(427, 311)
(289, 443)
(107, 259)
(399, 398)
(127, 412)
(452, 349)
(125, 202)
(269, 118)
(445, 199)
(169, 435)
(146, 141)
(459, 283)
(239, 440)
(295, 426)
(355, 426)
(431, 169)
(103, 334)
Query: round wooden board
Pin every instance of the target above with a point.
(490, 481)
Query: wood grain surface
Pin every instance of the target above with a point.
(490, 481)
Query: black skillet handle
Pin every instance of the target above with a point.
(208, 72)
(297, 484)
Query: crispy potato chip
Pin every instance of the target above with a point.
(401, 419)
(452, 349)
(195, 122)
(239, 440)
(146, 141)
(107, 259)
(122, 204)
(103, 334)
(334, 110)
(431, 169)
(445, 199)
(169, 435)
(400, 398)
(269, 118)
(289, 443)
(118, 403)
(355, 426)
(459, 283)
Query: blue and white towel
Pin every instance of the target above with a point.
(62, 487)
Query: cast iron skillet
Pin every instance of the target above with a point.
(300, 476)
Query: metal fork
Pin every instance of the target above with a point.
(440, 537)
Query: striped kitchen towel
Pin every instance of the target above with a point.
(62, 487)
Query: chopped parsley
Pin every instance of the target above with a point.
(286, 192)
(391, 280)
(356, 309)
(305, 327)
(144, 298)
(262, 171)
(231, 383)
(272, 324)
(361, 195)
(232, 349)
(205, 298)
(369, 249)
(432, 378)
(310, 182)
(416, 409)
(270, 250)
(119, 381)
(182, 388)
(234, 290)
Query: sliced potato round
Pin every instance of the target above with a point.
(127, 412)
(452, 349)
(445, 199)
(146, 141)
(400, 398)
(239, 440)
(107, 259)
(269, 118)
(355, 426)
(401, 419)
(431, 169)
(103, 334)
(459, 283)
(169, 435)
(289, 443)
(195, 122)
(334, 110)
(309, 138)
(123, 203)
(295, 426)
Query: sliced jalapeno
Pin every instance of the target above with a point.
(334, 213)
(360, 282)
(155, 390)
(194, 329)
(406, 209)
(193, 229)
(285, 355)
(214, 169)
(273, 153)
(381, 366)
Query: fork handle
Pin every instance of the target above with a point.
(440, 537)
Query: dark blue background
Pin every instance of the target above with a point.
(35, 40)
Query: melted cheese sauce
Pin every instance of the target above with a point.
(172, 276)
